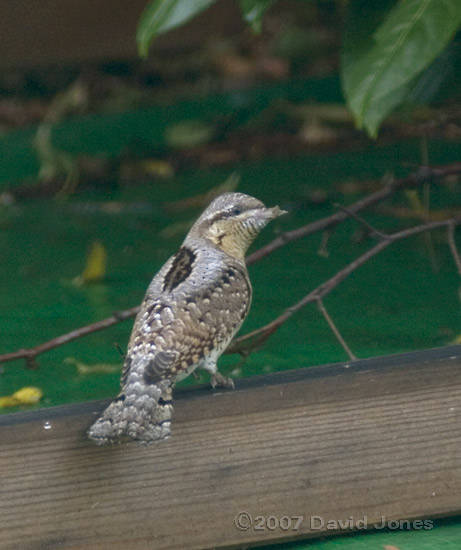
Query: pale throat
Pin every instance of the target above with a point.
(233, 242)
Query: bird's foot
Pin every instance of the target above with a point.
(218, 379)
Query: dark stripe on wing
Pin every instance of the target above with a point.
(180, 269)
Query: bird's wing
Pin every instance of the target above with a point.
(155, 369)
(160, 365)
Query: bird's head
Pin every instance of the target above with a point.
(232, 221)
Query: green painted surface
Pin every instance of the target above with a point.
(444, 535)
(395, 303)
(107, 134)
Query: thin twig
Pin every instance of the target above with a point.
(413, 180)
(323, 248)
(319, 225)
(453, 248)
(260, 335)
(373, 231)
(29, 354)
(422, 174)
(335, 330)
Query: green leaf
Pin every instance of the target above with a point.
(161, 16)
(253, 11)
(440, 80)
(378, 69)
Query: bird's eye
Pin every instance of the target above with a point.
(236, 211)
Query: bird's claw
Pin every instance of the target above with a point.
(219, 380)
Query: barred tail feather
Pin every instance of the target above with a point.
(141, 413)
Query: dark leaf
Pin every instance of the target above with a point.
(161, 16)
(385, 52)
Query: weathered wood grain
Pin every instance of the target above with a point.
(369, 439)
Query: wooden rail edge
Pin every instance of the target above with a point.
(304, 453)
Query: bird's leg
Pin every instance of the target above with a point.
(217, 379)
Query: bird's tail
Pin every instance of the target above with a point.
(141, 413)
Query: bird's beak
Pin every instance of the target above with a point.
(275, 212)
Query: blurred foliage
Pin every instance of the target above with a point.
(160, 17)
(253, 11)
(95, 268)
(28, 395)
(387, 46)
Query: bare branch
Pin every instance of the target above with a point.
(373, 231)
(248, 343)
(29, 354)
(425, 173)
(319, 225)
(262, 334)
(334, 329)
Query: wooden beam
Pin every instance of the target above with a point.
(364, 440)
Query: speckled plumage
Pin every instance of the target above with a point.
(192, 309)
